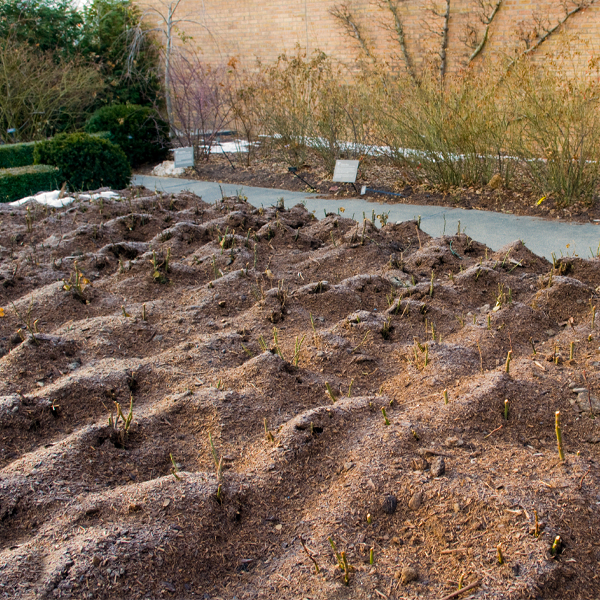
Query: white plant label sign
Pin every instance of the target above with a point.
(345, 171)
(184, 157)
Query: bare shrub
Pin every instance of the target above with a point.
(450, 135)
(342, 119)
(287, 102)
(242, 90)
(200, 106)
(556, 134)
(313, 102)
(513, 119)
(41, 93)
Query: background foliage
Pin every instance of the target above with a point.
(138, 130)
(58, 64)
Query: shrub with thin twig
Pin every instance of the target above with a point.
(557, 131)
(451, 135)
(200, 105)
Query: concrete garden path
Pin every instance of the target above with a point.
(542, 236)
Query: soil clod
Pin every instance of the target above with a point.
(438, 466)
(390, 504)
(408, 574)
(415, 501)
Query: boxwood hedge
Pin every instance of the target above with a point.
(16, 155)
(19, 182)
(86, 162)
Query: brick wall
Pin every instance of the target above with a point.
(263, 29)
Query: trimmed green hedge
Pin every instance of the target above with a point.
(21, 155)
(16, 155)
(20, 182)
(86, 162)
(141, 133)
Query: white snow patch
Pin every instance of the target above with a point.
(167, 169)
(54, 200)
(235, 146)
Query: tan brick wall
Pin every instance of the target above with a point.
(263, 29)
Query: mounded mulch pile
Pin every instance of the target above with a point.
(295, 386)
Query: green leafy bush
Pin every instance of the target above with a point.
(20, 182)
(85, 161)
(48, 25)
(16, 155)
(138, 130)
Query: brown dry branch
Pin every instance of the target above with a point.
(461, 591)
(579, 5)
(584, 476)
(353, 28)
(398, 28)
(486, 19)
(310, 555)
(589, 393)
(559, 441)
(493, 431)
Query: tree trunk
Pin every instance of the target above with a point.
(444, 47)
(168, 70)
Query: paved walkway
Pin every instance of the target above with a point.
(542, 236)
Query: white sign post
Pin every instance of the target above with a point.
(184, 157)
(345, 171)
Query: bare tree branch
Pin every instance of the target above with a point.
(487, 21)
(444, 46)
(485, 7)
(347, 20)
(393, 7)
(167, 27)
(548, 31)
(441, 33)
